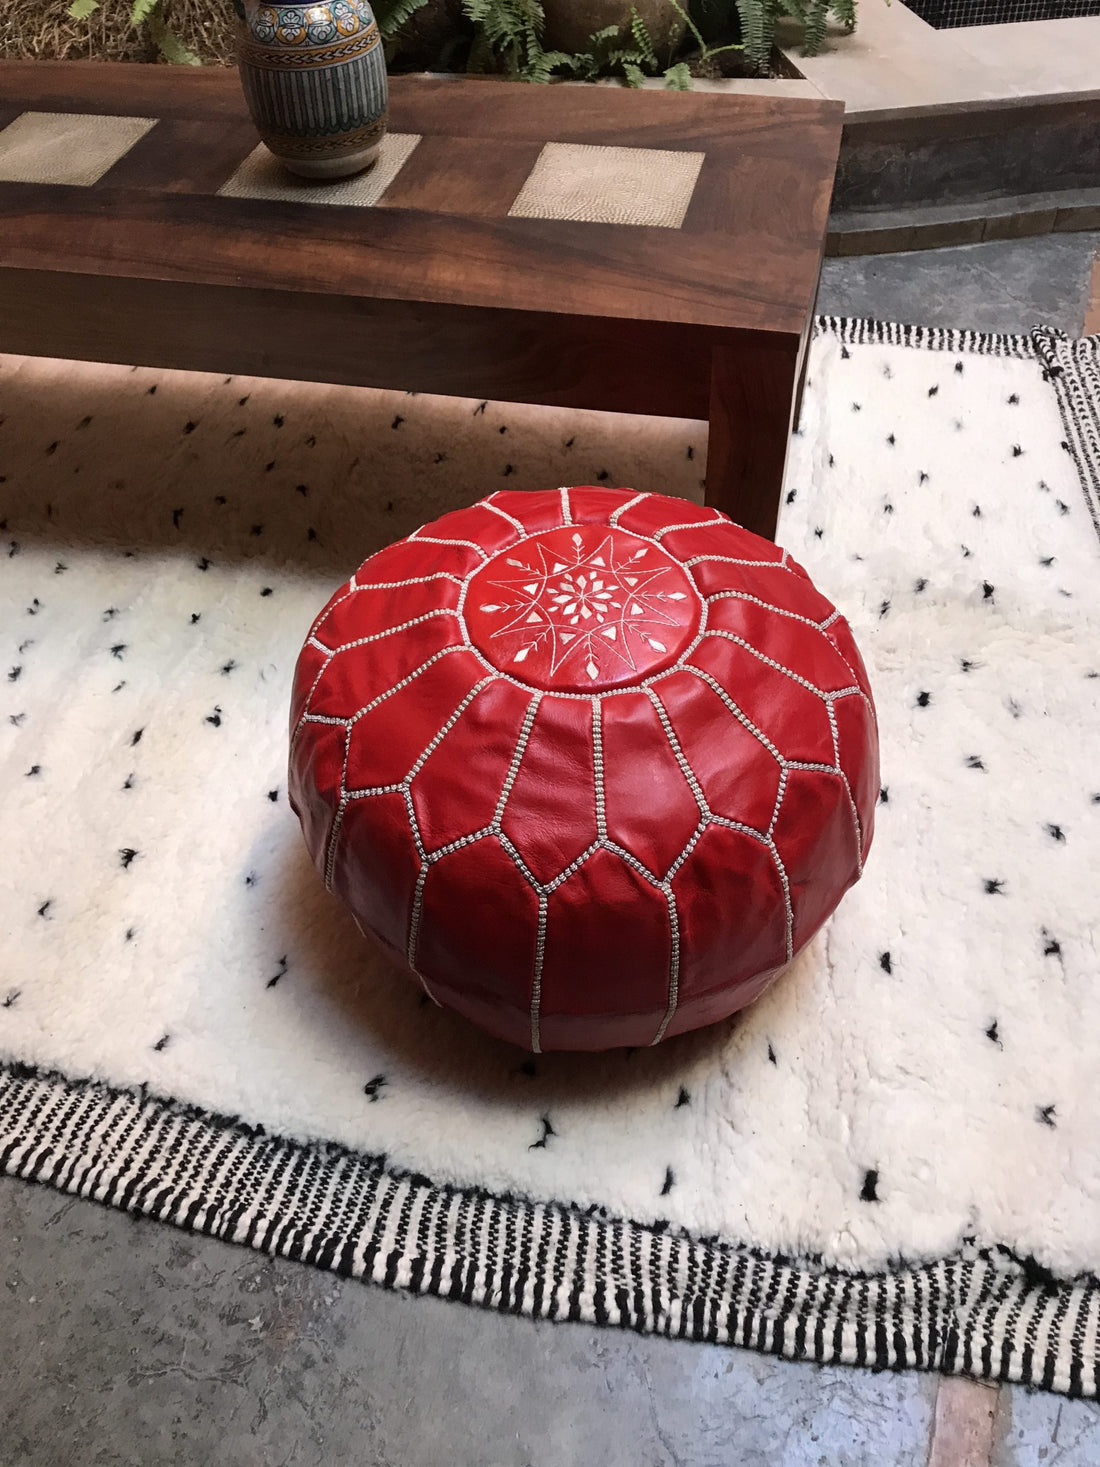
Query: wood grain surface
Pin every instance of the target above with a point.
(746, 258)
(437, 289)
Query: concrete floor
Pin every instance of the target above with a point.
(128, 1344)
(1011, 285)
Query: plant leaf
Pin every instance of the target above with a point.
(692, 27)
(392, 17)
(81, 9)
(642, 38)
(169, 44)
(757, 29)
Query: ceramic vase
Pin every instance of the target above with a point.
(314, 77)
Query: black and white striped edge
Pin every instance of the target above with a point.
(983, 1312)
(853, 331)
(1073, 369)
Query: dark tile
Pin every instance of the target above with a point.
(1006, 285)
(1077, 217)
(945, 233)
(1023, 223)
(962, 156)
(887, 240)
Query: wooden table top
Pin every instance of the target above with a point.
(740, 186)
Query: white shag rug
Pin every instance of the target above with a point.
(890, 1160)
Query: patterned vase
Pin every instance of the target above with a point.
(314, 77)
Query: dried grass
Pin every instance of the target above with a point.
(41, 30)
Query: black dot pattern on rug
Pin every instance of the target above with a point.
(241, 523)
(544, 1139)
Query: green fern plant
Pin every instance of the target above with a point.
(145, 13)
(643, 40)
(706, 51)
(757, 30)
(507, 37)
(678, 77)
(758, 18)
(628, 51)
(391, 15)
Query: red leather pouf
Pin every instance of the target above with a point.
(593, 764)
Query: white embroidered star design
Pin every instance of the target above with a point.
(595, 607)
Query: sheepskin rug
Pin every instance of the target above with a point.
(890, 1159)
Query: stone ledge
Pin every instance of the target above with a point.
(891, 231)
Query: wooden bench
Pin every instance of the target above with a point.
(643, 252)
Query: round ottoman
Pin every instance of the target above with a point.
(593, 765)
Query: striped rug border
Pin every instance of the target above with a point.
(983, 1312)
(1072, 367)
(856, 331)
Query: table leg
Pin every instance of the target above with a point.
(804, 356)
(752, 396)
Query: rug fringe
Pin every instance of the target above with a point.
(853, 331)
(330, 1207)
(1072, 367)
